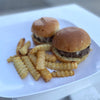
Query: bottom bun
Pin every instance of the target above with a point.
(66, 59)
(36, 42)
(83, 58)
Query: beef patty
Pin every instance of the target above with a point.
(78, 54)
(43, 39)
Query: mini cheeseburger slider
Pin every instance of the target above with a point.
(71, 44)
(44, 30)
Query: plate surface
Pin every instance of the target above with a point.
(10, 83)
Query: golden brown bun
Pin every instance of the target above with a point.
(45, 26)
(71, 39)
(65, 59)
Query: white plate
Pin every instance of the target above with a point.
(10, 83)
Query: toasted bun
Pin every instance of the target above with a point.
(65, 59)
(71, 39)
(45, 26)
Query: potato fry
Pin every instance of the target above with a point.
(45, 47)
(20, 67)
(62, 73)
(24, 49)
(46, 75)
(33, 58)
(49, 57)
(40, 63)
(10, 59)
(61, 66)
(29, 50)
(20, 45)
(35, 74)
(55, 66)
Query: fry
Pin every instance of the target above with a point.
(20, 67)
(35, 74)
(49, 57)
(33, 58)
(55, 66)
(40, 63)
(29, 50)
(10, 59)
(45, 47)
(24, 49)
(62, 73)
(46, 75)
(20, 45)
(61, 66)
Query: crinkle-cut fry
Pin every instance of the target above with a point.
(50, 57)
(29, 50)
(24, 49)
(35, 74)
(61, 66)
(33, 58)
(62, 73)
(45, 47)
(40, 63)
(10, 59)
(55, 66)
(46, 75)
(20, 45)
(20, 67)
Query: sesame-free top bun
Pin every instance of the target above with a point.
(45, 26)
(71, 39)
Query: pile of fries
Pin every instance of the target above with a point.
(37, 61)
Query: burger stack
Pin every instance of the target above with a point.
(44, 30)
(68, 44)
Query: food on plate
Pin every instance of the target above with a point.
(35, 74)
(44, 30)
(40, 62)
(46, 75)
(62, 73)
(20, 45)
(20, 67)
(45, 47)
(60, 58)
(71, 44)
(10, 59)
(61, 66)
(33, 58)
(50, 57)
(24, 49)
